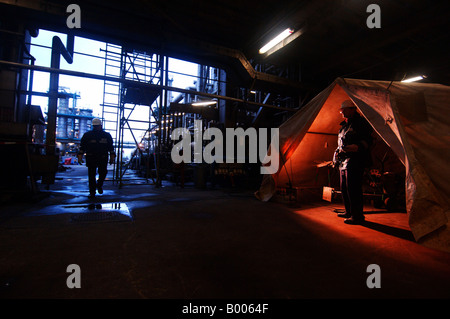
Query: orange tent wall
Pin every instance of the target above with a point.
(316, 146)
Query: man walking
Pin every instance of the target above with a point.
(352, 156)
(96, 144)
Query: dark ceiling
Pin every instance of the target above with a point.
(336, 41)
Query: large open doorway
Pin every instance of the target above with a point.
(131, 91)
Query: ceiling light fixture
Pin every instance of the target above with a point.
(204, 103)
(414, 79)
(283, 35)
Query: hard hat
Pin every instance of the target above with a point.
(347, 104)
(96, 121)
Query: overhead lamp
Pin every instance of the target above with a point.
(204, 103)
(283, 35)
(414, 79)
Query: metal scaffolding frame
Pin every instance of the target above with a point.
(122, 99)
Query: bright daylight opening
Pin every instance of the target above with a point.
(81, 99)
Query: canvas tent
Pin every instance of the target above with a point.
(413, 119)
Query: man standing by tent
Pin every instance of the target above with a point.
(96, 144)
(352, 156)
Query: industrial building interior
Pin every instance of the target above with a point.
(162, 230)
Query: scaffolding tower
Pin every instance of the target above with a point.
(129, 111)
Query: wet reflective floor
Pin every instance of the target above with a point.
(173, 243)
(88, 212)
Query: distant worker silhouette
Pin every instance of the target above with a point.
(352, 156)
(96, 144)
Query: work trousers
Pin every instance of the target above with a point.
(351, 180)
(92, 172)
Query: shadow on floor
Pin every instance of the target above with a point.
(389, 230)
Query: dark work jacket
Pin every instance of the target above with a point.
(96, 145)
(355, 130)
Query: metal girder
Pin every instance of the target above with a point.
(139, 84)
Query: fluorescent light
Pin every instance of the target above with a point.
(414, 79)
(283, 35)
(204, 103)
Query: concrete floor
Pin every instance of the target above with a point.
(189, 243)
